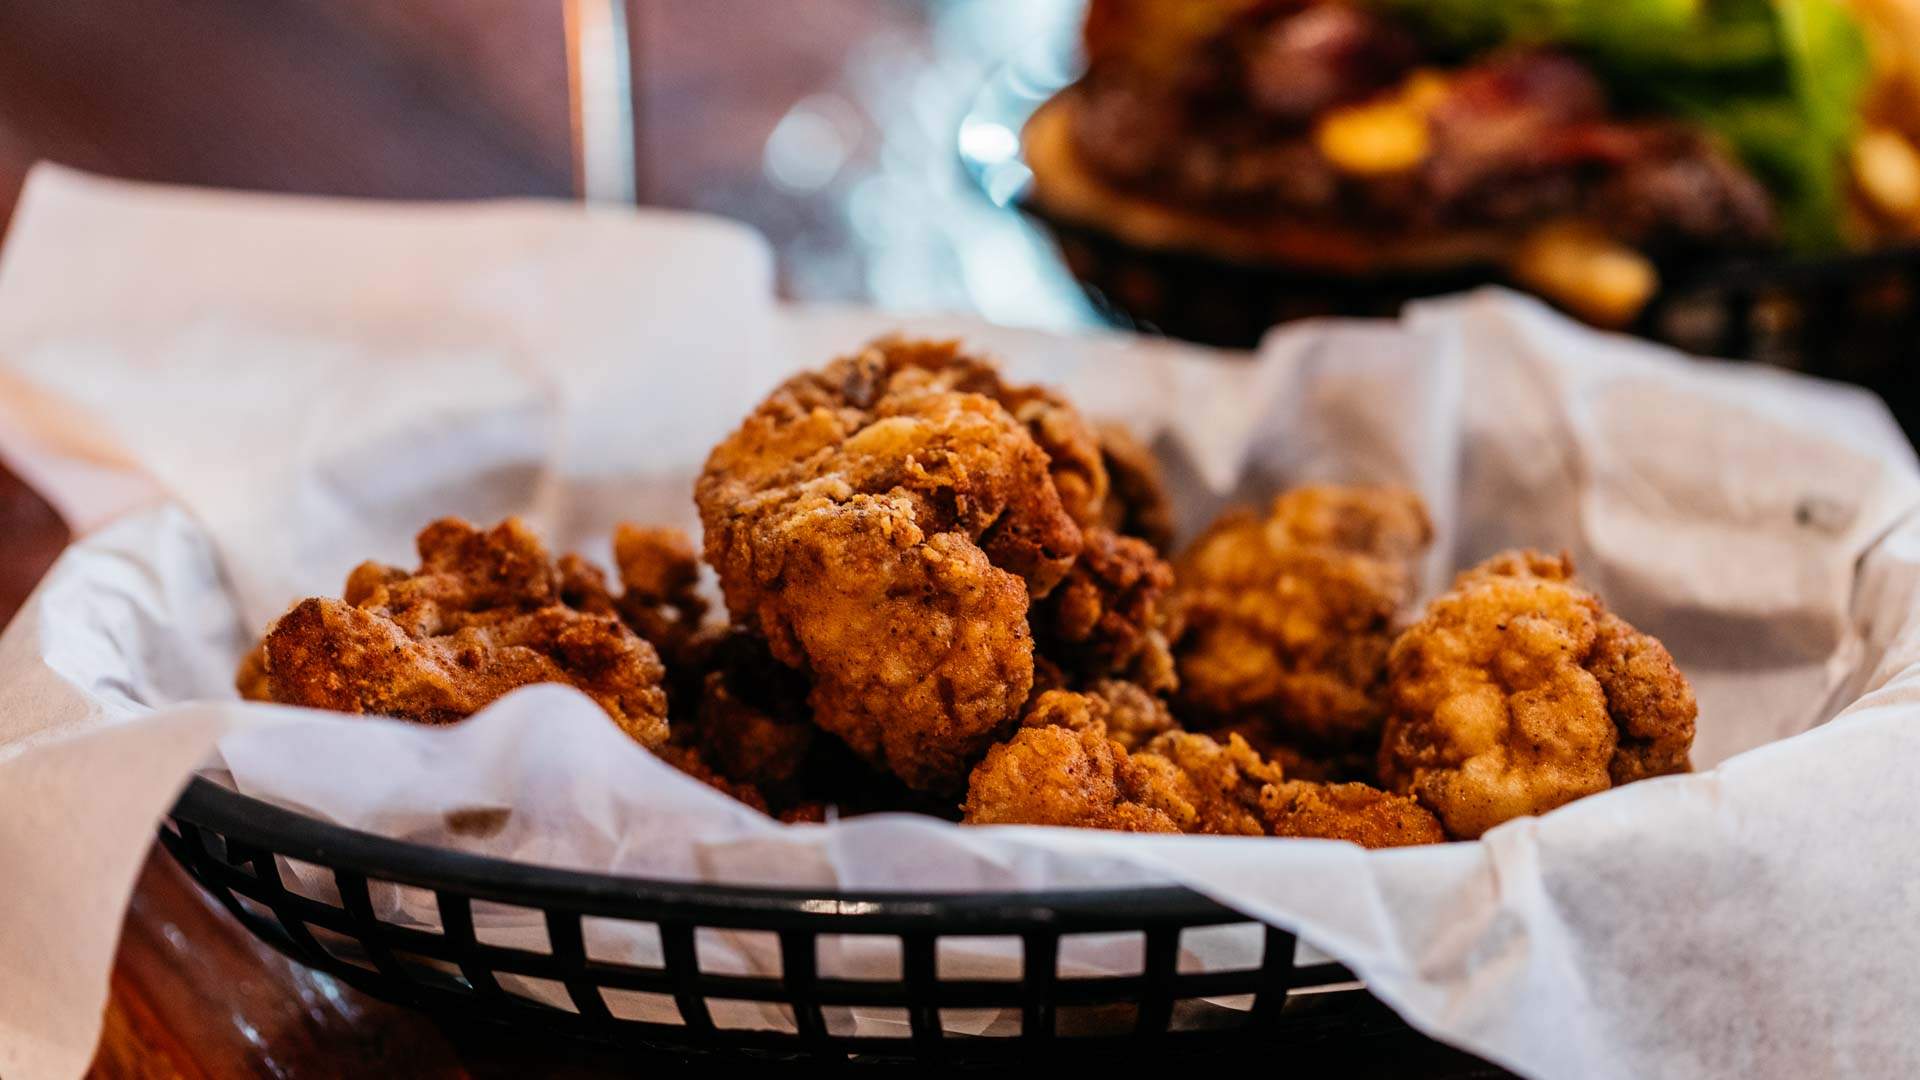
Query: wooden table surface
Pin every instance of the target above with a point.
(428, 99)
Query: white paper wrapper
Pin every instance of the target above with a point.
(239, 398)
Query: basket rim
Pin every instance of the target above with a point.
(255, 822)
(1735, 270)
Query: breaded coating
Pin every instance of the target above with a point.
(1137, 503)
(1518, 691)
(1359, 813)
(1061, 768)
(1135, 716)
(1301, 763)
(1220, 782)
(747, 730)
(884, 524)
(660, 578)
(251, 680)
(1072, 446)
(1106, 619)
(752, 724)
(1288, 617)
(482, 616)
(1060, 776)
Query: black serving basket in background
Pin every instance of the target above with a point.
(1852, 317)
(238, 848)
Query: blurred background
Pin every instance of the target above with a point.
(831, 127)
(1741, 177)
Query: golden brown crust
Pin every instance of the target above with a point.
(1220, 781)
(483, 615)
(1061, 768)
(751, 723)
(1288, 617)
(1300, 763)
(883, 524)
(660, 581)
(1512, 694)
(1650, 702)
(1105, 619)
(1358, 813)
(1135, 715)
(251, 680)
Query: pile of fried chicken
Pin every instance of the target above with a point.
(947, 594)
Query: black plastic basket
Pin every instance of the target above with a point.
(1853, 317)
(236, 847)
(1850, 317)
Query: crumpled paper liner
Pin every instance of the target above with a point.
(240, 397)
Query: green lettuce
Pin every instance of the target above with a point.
(1779, 80)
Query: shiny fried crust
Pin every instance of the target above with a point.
(1519, 691)
(484, 614)
(885, 525)
(1287, 618)
(1061, 768)
(1135, 716)
(1105, 618)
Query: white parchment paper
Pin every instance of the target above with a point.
(237, 398)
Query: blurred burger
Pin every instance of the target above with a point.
(1569, 145)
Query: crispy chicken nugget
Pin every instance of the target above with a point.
(1288, 617)
(1105, 620)
(1063, 776)
(482, 616)
(1135, 715)
(1360, 813)
(1061, 768)
(1075, 449)
(1519, 691)
(750, 722)
(884, 524)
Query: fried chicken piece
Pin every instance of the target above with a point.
(482, 616)
(1137, 503)
(1134, 715)
(1220, 782)
(1105, 619)
(752, 724)
(747, 730)
(1519, 691)
(1060, 776)
(884, 524)
(1061, 768)
(1300, 763)
(251, 680)
(659, 598)
(1289, 617)
(660, 579)
(1359, 813)
(1075, 453)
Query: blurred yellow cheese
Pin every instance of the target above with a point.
(1887, 169)
(1387, 135)
(1379, 137)
(1587, 272)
